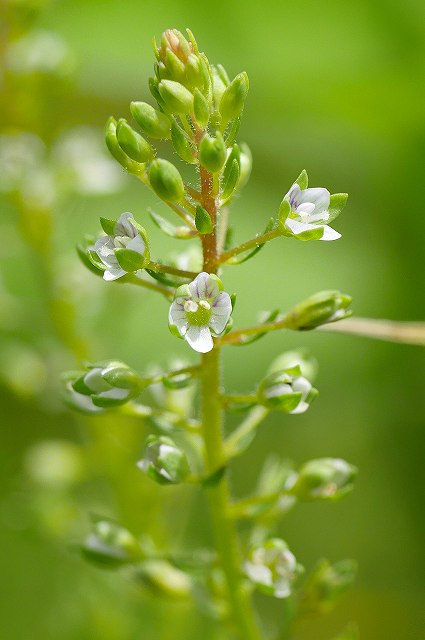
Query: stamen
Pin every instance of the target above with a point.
(205, 305)
(190, 306)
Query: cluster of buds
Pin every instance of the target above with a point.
(323, 479)
(273, 568)
(286, 390)
(103, 385)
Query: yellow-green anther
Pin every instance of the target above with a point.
(200, 108)
(132, 143)
(182, 144)
(152, 122)
(212, 152)
(176, 98)
(233, 98)
(166, 180)
(115, 149)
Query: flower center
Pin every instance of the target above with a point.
(198, 314)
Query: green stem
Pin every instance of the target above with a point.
(242, 437)
(133, 279)
(165, 268)
(236, 337)
(226, 539)
(250, 244)
(389, 330)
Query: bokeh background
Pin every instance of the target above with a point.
(336, 88)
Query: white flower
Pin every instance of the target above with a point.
(200, 309)
(273, 568)
(126, 235)
(309, 212)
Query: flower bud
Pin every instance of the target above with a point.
(111, 545)
(203, 220)
(177, 99)
(163, 461)
(201, 108)
(212, 152)
(318, 309)
(182, 144)
(273, 568)
(107, 384)
(179, 60)
(286, 390)
(165, 579)
(324, 479)
(115, 149)
(132, 143)
(233, 98)
(166, 180)
(326, 584)
(152, 122)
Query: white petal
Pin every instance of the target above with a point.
(300, 408)
(199, 338)
(259, 574)
(137, 244)
(298, 227)
(278, 390)
(305, 208)
(113, 274)
(302, 385)
(123, 226)
(115, 394)
(319, 196)
(203, 287)
(93, 379)
(292, 195)
(221, 310)
(177, 317)
(330, 234)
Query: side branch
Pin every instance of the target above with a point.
(389, 330)
(249, 244)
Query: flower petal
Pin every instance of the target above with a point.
(220, 312)
(199, 338)
(177, 317)
(318, 196)
(298, 227)
(137, 244)
(113, 273)
(94, 381)
(330, 234)
(123, 226)
(204, 287)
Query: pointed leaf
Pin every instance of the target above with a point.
(181, 232)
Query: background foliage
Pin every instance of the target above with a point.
(336, 88)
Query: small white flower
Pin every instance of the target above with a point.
(273, 568)
(200, 309)
(309, 211)
(126, 236)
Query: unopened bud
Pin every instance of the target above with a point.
(326, 584)
(166, 180)
(324, 479)
(273, 568)
(152, 122)
(111, 545)
(233, 99)
(163, 461)
(177, 99)
(165, 579)
(132, 143)
(287, 391)
(115, 149)
(321, 308)
(201, 108)
(107, 384)
(212, 152)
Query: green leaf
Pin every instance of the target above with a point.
(181, 232)
(203, 220)
(108, 226)
(163, 278)
(130, 260)
(337, 204)
(302, 180)
(182, 144)
(88, 257)
(284, 211)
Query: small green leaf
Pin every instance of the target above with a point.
(336, 205)
(302, 180)
(130, 260)
(88, 257)
(203, 220)
(163, 278)
(182, 232)
(108, 226)
(284, 211)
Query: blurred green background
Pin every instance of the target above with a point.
(336, 88)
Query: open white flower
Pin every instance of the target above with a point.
(309, 212)
(272, 567)
(126, 234)
(199, 310)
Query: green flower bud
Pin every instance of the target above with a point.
(115, 149)
(179, 60)
(163, 461)
(152, 122)
(273, 568)
(203, 220)
(233, 98)
(287, 391)
(110, 545)
(318, 309)
(327, 582)
(165, 579)
(177, 99)
(201, 108)
(182, 144)
(105, 385)
(212, 152)
(132, 143)
(324, 479)
(166, 180)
